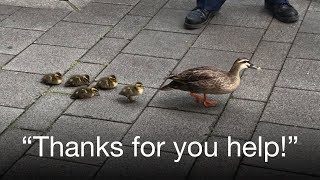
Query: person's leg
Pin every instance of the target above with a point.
(201, 14)
(282, 10)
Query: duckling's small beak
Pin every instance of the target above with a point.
(252, 66)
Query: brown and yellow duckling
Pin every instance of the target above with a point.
(109, 82)
(85, 93)
(209, 80)
(52, 79)
(132, 90)
(78, 80)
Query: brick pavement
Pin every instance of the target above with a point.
(144, 40)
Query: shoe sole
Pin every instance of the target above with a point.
(197, 26)
(292, 19)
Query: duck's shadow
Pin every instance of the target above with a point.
(125, 101)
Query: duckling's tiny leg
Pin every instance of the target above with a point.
(130, 99)
(198, 97)
(208, 103)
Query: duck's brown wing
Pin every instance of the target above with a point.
(216, 84)
(197, 74)
(201, 79)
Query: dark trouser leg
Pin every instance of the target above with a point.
(210, 5)
(275, 1)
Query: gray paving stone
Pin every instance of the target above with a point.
(45, 59)
(246, 172)
(5, 58)
(12, 148)
(111, 106)
(244, 2)
(301, 157)
(300, 6)
(34, 18)
(147, 7)
(7, 116)
(301, 74)
(221, 167)
(183, 101)
(48, 4)
(306, 46)
(181, 4)
(156, 43)
(85, 68)
(206, 57)
(293, 107)
(128, 166)
(171, 20)
(44, 112)
(132, 68)
(15, 40)
(126, 2)
(4, 9)
(242, 15)
(19, 89)
(311, 22)
(73, 35)
(30, 167)
(256, 85)
(99, 13)
(315, 5)
(271, 55)
(229, 38)
(2, 17)
(79, 68)
(105, 50)
(281, 32)
(68, 128)
(129, 27)
(239, 119)
(157, 125)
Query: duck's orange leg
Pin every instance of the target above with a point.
(198, 97)
(208, 103)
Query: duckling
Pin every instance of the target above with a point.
(52, 79)
(132, 90)
(78, 80)
(108, 82)
(209, 80)
(84, 93)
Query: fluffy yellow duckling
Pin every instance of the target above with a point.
(108, 82)
(52, 79)
(85, 93)
(132, 90)
(78, 80)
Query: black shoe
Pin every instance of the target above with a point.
(197, 18)
(283, 12)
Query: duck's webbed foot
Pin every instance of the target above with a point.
(209, 103)
(198, 97)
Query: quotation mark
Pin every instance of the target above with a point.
(27, 140)
(293, 139)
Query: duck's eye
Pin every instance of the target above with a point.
(245, 61)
